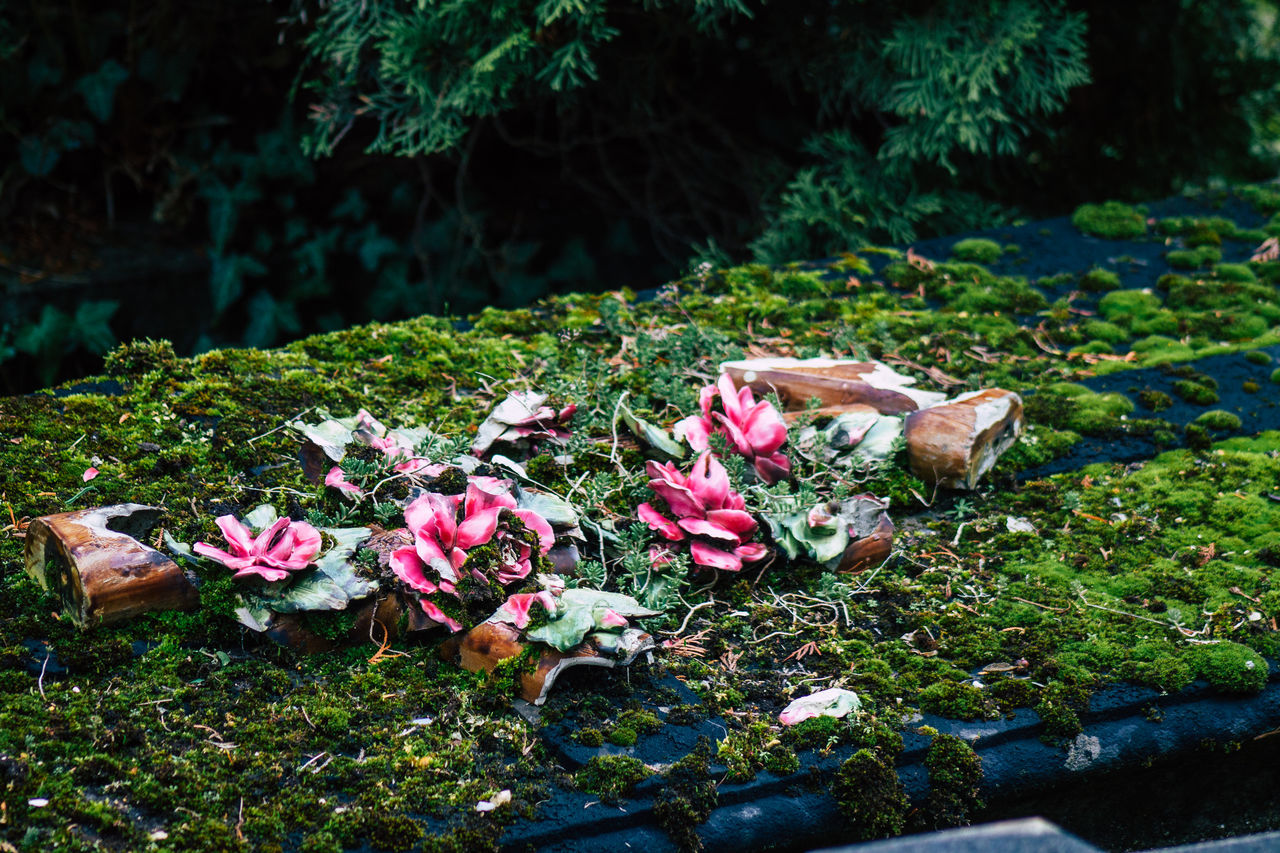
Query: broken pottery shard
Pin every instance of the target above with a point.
(835, 383)
(376, 620)
(102, 573)
(487, 644)
(870, 550)
(954, 444)
(832, 702)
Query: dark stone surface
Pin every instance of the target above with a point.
(1029, 835)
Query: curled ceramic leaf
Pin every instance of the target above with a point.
(862, 433)
(651, 436)
(832, 702)
(583, 611)
(334, 584)
(558, 512)
(843, 535)
(523, 417)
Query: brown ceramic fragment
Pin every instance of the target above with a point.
(954, 444)
(869, 551)
(487, 644)
(103, 574)
(835, 383)
(377, 620)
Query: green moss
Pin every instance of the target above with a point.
(1230, 667)
(1189, 259)
(1099, 280)
(1235, 272)
(1126, 306)
(1196, 393)
(141, 356)
(870, 796)
(611, 777)
(977, 250)
(1104, 331)
(814, 733)
(1217, 419)
(1255, 356)
(1275, 376)
(1111, 220)
(955, 700)
(955, 777)
(589, 737)
(1156, 401)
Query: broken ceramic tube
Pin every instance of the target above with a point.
(487, 644)
(955, 443)
(102, 573)
(833, 382)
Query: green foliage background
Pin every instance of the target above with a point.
(243, 173)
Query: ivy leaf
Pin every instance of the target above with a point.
(92, 325)
(99, 88)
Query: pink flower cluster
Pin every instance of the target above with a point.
(442, 538)
(754, 430)
(370, 431)
(709, 514)
(284, 547)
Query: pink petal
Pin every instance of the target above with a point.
(540, 526)
(220, 556)
(89, 474)
(268, 537)
(515, 610)
(610, 619)
(694, 430)
(485, 493)
(337, 480)
(437, 614)
(734, 433)
(659, 522)
(514, 572)
(670, 485)
(567, 412)
(709, 481)
(764, 429)
(238, 536)
(478, 528)
(407, 566)
(773, 468)
(729, 398)
(705, 555)
(306, 541)
(740, 522)
(263, 572)
(434, 516)
(702, 527)
(751, 552)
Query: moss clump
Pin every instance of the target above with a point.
(1099, 280)
(1230, 667)
(1125, 306)
(1217, 419)
(1189, 259)
(688, 797)
(870, 796)
(1101, 330)
(1197, 437)
(977, 250)
(814, 733)
(1111, 220)
(1156, 401)
(589, 737)
(1058, 710)
(955, 700)
(1275, 376)
(955, 776)
(1196, 393)
(611, 777)
(1235, 272)
(139, 357)
(1257, 356)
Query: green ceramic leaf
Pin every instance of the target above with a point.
(333, 584)
(655, 437)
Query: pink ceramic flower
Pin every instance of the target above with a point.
(336, 479)
(515, 610)
(710, 514)
(441, 540)
(754, 430)
(284, 547)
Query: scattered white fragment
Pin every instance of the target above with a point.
(38, 802)
(832, 702)
(422, 721)
(1018, 524)
(499, 799)
(158, 835)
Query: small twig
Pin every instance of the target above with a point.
(688, 616)
(40, 681)
(1041, 606)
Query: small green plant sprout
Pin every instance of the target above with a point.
(1111, 220)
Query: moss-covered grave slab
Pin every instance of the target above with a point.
(1116, 565)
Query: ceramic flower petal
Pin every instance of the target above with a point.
(336, 479)
(407, 566)
(658, 522)
(714, 558)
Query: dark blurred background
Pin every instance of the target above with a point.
(244, 173)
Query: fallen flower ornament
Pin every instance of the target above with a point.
(280, 549)
(753, 429)
(710, 515)
(442, 540)
(832, 702)
(523, 418)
